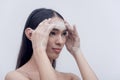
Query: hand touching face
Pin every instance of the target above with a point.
(73, 40)
(57, 38)
(39, 36)
(50, 36)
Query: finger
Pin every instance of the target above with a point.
(49, 20)
(75, 30)
(68, 26)
(47, 28)
(43, 22)
(43, 25)
(50, 27)
(46, 21)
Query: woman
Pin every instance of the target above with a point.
(44, 35)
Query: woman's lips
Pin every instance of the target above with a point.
(57, 50)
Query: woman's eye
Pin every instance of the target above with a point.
(52, 33)
(65, 33)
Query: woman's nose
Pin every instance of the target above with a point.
(60, 40)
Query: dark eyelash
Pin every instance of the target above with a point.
(65, 33)
(52, 33)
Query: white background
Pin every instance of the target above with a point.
(98, 24)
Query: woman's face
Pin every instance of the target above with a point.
(57, 38)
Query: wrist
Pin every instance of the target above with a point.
(39, 49)
(77, 52)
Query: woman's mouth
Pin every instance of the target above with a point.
(56, 50)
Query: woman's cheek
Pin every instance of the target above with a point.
(64, 39)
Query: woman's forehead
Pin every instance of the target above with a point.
(59, 24)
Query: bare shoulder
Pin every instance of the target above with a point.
(70, 76)
(14, 75)
(74, 77)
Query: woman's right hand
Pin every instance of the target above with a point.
(40, 35)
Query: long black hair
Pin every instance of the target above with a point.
(37, 16)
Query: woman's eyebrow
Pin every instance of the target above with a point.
(55, 29)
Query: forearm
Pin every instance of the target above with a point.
(86, 71)
(46, 70)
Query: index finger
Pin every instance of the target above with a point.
(68, 26)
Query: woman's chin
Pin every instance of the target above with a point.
(53, 56)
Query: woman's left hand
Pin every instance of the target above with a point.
(73, 40)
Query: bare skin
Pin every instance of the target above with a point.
(48, 40)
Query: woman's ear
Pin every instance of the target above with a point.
(28, 33)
